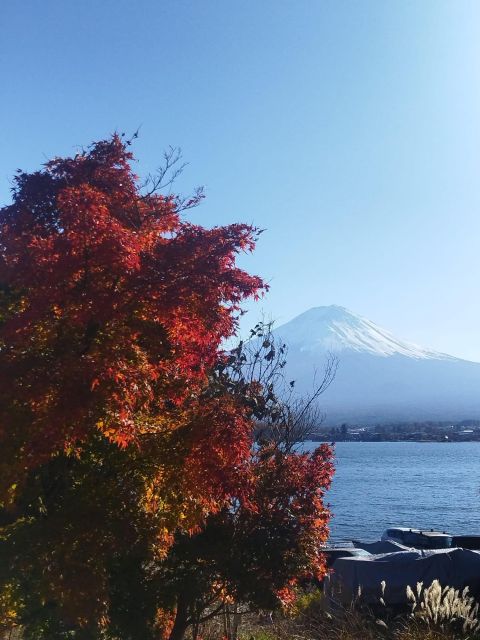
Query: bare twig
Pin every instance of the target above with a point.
(257, 366)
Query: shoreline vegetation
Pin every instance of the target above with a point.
(433, 613)
(429, 431)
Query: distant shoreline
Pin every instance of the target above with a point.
(334, 441)
(467, 430)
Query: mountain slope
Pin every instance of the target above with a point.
(379, 378)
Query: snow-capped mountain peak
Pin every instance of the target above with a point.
(380, 378)
(336, 329)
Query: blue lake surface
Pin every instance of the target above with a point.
(414, 484)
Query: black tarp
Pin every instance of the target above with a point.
(456, 568)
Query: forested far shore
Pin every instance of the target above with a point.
(429, 431)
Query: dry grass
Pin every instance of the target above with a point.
(435, 613)
(445, 608)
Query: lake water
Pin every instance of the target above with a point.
(414, 484)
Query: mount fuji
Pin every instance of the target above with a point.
(380, 378)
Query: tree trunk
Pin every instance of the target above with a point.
(181, 621)
(237, 617)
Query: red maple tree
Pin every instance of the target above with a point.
(121, 428)
(113, 307)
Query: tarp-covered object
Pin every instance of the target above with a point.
(456, 568)
(381, 546)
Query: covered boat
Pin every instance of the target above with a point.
(456, 568)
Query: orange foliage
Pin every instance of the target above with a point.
(113, 310)
(127, 445)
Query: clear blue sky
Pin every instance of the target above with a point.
(349, 130)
